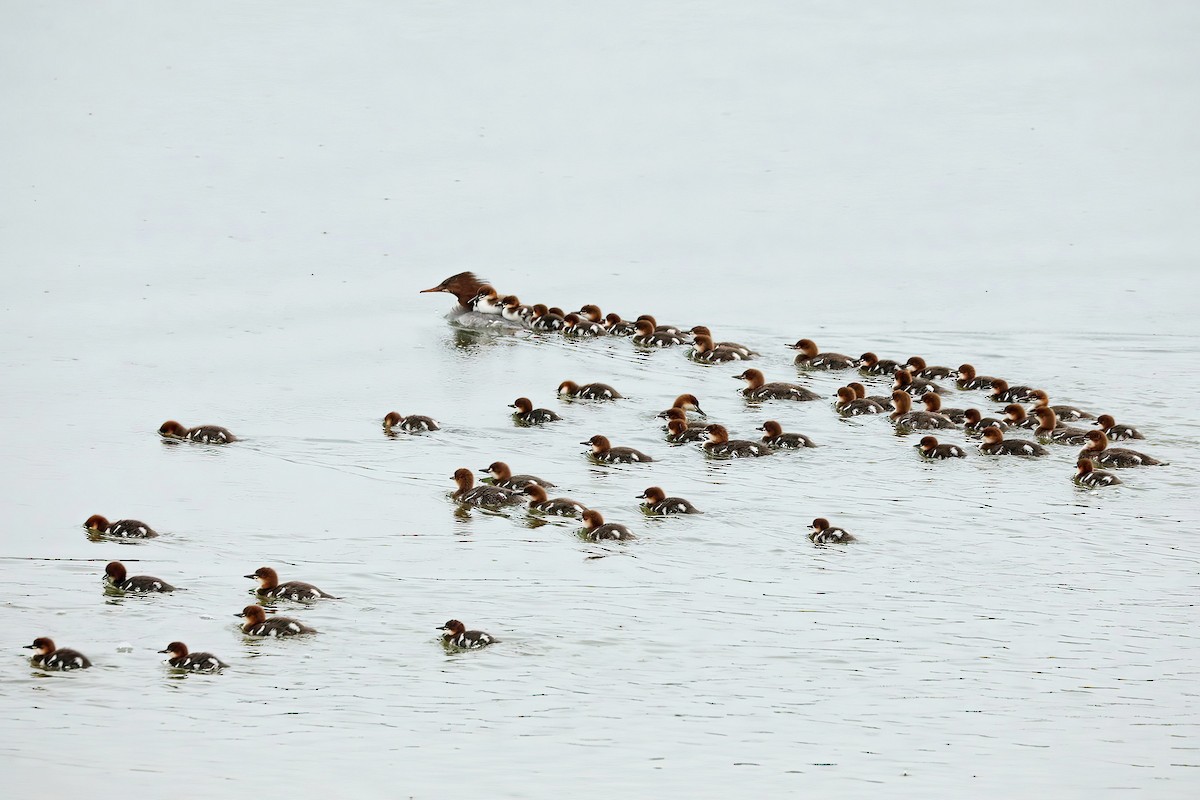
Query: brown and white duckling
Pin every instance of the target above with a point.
(917, 366)
(703, 349)
(413, 423)
(576, 326)
(588, 391)
(486, 301)
(824, 533)
(871, 364)
(679, 432)
(513, 311)
(1049, 429)
(1016, 417)
(929, 448)
(672, 329)
(526, 414)
(559, 506)
(596, 529)
(685, 403)
(619, 327)
(604, 452)
(1003, 393)
(933, 404)
(503, 477)
(672, 414)
(180, 658)
(701, 330)
(1097, 449)
(61, 659)
(204, 434)
(721, 446)
(118, 578)
(464, 286)
(257, 624)
(905, 417)
(657, 502)
(994, 444)
(968, 379)
(299, 591)
(121, 529)
(485, 496)
(1117, 432)
(860, 392)
(541, 319)
(849, 404)
(592, 313)
(1086, 474)
(774, 437)
(1069, 413)
(455, 634)
(647, 336)
(757, 388)
(812, 358)
(974, 421)
(916, 387)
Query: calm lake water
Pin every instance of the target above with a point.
(226, 219)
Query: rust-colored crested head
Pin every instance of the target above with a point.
(772, 428)
(96, 523)
(806, 346)
(464, 286)
(1084, 465)
(267, 577)
(903, 378)
(1105, 421)
(868, 359)
(846, 395)
(539, 310)
(753, 377)
(599, 444)
(1040, 398)
(172, 428)
(393, 419)
(1015, 412)
(536, 493)
(115, 570)
(653, 495)
(972, 415)
(1097, 441)
(999, 385)
(523, 405)
(676, 426)
(452, 628)
(717, 434)
(569, 388)
(702, 342)
(43, 644)
(464, 478)
(915, 364)
(591, 311)
(175, 649)
(966, 372)
(253, 614)
(902, 401)
(592, 519)
(928, 442)
(644, 327)
(992, 434)
(933, 403)
(499, 470)
(820, 524)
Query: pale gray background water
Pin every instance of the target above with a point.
(222, 214)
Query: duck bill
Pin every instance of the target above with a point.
(434, 289)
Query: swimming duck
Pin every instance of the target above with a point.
(596, 529)
(720, 445)
(299, 591)
(464, 286)
(455, 634)
(1016, 417)
(541, 319)
(604, 452)
(917, 366)
(905, 417)
(933, 404)
(824, 533)
(204, 434)
(116, 576)
(1070, 413)
(774, 437)
(975, 422)
(994, 444)
(811, 358)
(758, 389)
(588, 391)
(1049, 429)
(701, 330)
(860, 391)
(1117, 432)
(526, 414)
(619, 327)
(929, 448)
(1003, 393)
(647, 336)
(61, 659)
(1098, 450)
(257, 624)
(678, 431)
(967, 379)
(849, 404)
(513, 311)
(657, 502)
(413, 423)
(580, 328)
(485, 496)
(1086, 474)
(685, 403)
(121, 529)
(180, 658)
(502, 476)
(871, 364)
(916, 387)
(487, 301)
(559, 506)
(675, 330)
(703, 349)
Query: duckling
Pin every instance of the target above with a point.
(916, 365)
(871, 364)
(1015, 416)
(559, 506)
(204, 434)
(775, 438)
(647, 336)
(685, 403)
(849, 404)
(1048, 428)
(502, 476)
(1003, 393)
(298, 591)
(758, 389)
(116, 576)
(62, 659)
(588, 391)
(905, 417)
(679, 432)
(541, 319)
(658, 503)
(703, 349)
(1069, 413)
(823, 533)
(526, 414)
(576, 326)
(811, 358)
(933, 404)
(916, 387)
(455, 634)
(720, 445)
(257, 624)
(604, 452)
(484, 496)
(180, 658)
(413, 423)
(1117, 432)
(619, 327)
(1086, 474)
(701, 330)
(1097, 450)
(975, 422)
(596, 529)
(967, 379)
(929, 448)
(994, 444)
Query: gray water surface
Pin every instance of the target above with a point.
(226, 219)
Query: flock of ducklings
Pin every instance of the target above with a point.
(479, 302)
